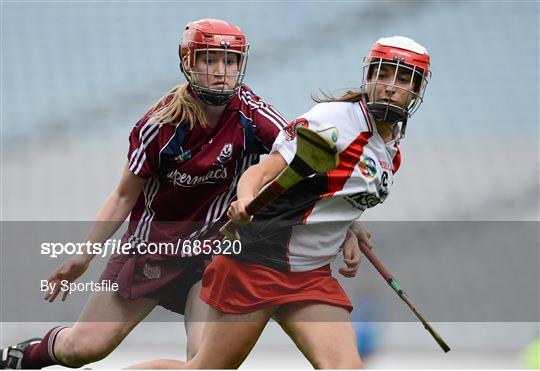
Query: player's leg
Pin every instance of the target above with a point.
(228, 338)
(105, 321)
(195, 317)
(330, 344)
(226, 341)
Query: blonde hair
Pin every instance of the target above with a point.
(178, 106)
(349, 96)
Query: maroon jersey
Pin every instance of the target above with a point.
(192, 174)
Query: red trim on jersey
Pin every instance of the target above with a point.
(287, 249)
(396, 162)
(237, 286)
(366, 113)
(308, 212)
(347, 161)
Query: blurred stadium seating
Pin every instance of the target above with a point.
(77, 76)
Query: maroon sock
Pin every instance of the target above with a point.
(42, 355)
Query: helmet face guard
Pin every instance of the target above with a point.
(204, 40)
(200, 80)
(408, 65)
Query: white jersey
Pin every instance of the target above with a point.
(304, 228)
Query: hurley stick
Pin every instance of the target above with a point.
(315, 153)
(397, 288)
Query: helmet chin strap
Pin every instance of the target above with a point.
(214, 98)
(384, 112)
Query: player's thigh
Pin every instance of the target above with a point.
(227, 339)
(195, 318)
(108, 318)
(323, 333)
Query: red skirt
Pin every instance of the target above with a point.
(237, 286)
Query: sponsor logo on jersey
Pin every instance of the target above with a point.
(183, 157)
(385, 165)
(290, 130)
(368, 167)
(151, 272)
(181, 179)
(226, 153)
(363, 200)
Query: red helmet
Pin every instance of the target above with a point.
(402, 53)
(211, 35)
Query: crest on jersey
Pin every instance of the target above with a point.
(368, 167)
(226, 153)
(151, 272)
(290, 130)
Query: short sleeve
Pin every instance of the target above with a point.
(267, 120)
(268, 129)
(285, 143)
(143, 154)
(348, 118)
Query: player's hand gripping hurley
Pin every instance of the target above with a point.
(316, 152)
(397, 288)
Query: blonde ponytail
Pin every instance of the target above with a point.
(178, 106)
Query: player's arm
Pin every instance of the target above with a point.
(116, 207)
(251, 182)
(112, 214)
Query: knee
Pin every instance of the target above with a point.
(192, 347)
(80, 349)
